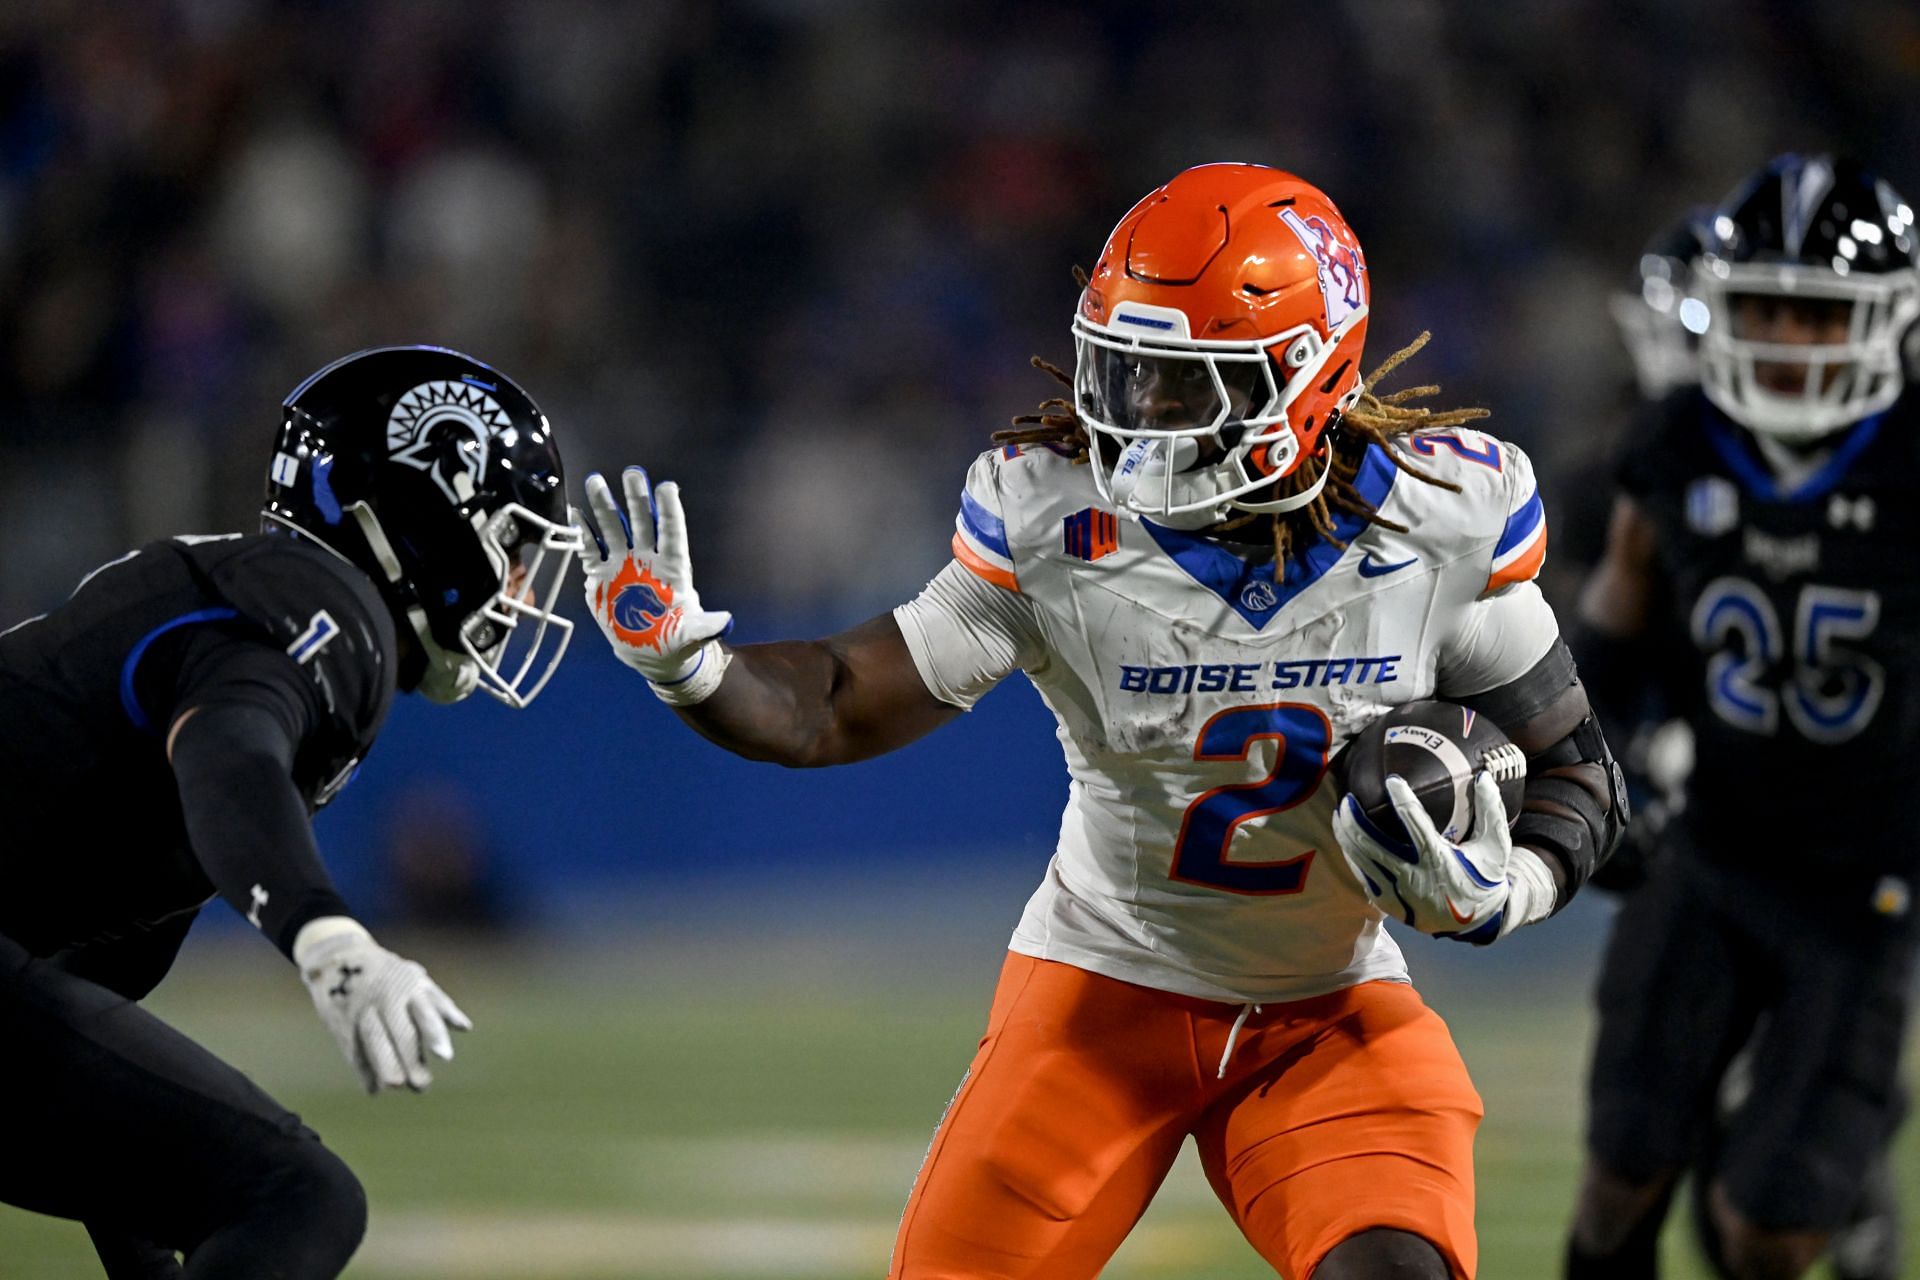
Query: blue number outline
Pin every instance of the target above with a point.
(1727, 607)
(1822, 615)
(1489, 457)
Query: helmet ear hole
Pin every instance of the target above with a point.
(1282, 452)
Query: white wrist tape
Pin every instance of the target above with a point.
(710, 664)
(317, 932)
(1530, 890)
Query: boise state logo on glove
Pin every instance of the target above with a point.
(640, 587)
(639, 607)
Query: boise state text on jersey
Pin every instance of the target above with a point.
(1200, 699)
(1249, 677)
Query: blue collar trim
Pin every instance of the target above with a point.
(1249, 588)
(1758, 479)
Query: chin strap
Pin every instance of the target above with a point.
(449, 676)
(1293, 502)
(376, 540)
(1144, 467)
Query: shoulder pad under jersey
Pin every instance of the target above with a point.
(1493, 520)
(1012, 506)
(323, 611)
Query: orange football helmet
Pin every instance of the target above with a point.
(1217, 338)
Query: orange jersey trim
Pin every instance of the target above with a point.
(980, 568)
(1525, 567)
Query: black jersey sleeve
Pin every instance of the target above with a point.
(244, 712)
(226, 662)
(326, 618)
(247, 820)
(268, 706)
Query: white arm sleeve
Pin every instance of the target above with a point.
(966, 635)
(1500, 638)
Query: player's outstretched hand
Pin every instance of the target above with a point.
(1439, 887)
(640, 578)
(385, 1013)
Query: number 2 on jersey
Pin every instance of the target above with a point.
(1304, 737)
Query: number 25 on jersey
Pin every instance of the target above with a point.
(1831, 692)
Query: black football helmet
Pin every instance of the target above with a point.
(438, 477)
(1661, 316)
(1818, 230)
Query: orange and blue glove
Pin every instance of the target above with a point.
(640, 588)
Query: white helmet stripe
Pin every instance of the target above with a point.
(1802, 188)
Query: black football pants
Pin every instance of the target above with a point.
(1704, 961)
(111, 1117)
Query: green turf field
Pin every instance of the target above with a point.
(659, 1116)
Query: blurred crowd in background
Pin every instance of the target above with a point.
(796, 253)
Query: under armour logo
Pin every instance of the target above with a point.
(1858, 512)
(348, 972)
(259, 901)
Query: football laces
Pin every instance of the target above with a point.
(1505, 762)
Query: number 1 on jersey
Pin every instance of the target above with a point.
(1200, 854)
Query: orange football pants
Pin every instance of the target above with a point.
(1337, 1114)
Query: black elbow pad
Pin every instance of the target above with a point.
(1579, 820)
(1578, 815)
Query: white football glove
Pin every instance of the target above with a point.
(385, 1013)
(1476, 891)
(640, 582)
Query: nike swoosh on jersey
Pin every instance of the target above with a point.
(1371, 568)
(1455, 913)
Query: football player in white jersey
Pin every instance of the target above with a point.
(1218, 561)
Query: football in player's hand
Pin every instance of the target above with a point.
(1437, 747)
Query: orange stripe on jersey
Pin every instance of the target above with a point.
(1525, 567)
(993, 573)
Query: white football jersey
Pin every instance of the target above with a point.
(1199, 700)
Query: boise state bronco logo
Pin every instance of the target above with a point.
(1340, 266)
(1259, 596)
(442, 428)
(639, 606)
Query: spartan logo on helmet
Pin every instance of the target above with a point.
(442, 428)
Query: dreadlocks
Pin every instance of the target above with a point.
(1374, 419)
